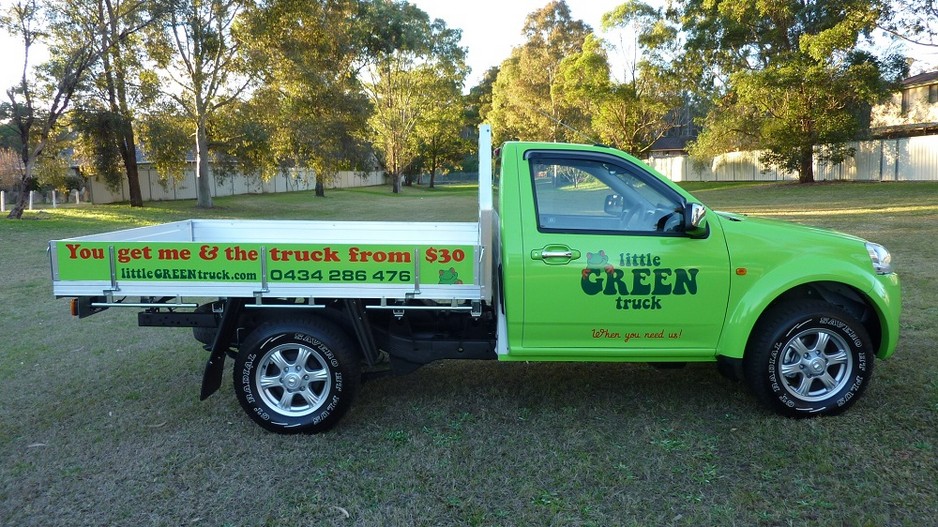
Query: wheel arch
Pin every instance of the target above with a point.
(849, 295)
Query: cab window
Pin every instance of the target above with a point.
(596, 196)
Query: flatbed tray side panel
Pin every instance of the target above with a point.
(91, 268)
(436, 292)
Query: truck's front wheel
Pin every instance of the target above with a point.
(808, 358)
(296, 375)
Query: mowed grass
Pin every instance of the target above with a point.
(100, 422)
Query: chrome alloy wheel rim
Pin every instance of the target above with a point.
(815, 364)
(293, 379)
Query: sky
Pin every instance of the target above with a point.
(490, 29)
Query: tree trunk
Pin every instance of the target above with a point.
(396, 183)
(320, 188)
(128, 151)
(22, 187)
(433, 162)
(116, 81)
(806, 165)
(203, 185)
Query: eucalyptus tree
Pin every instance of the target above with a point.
(200, 64)
(110, 103)
(479, 99)
(440, 141)
(914, 21)
(524, 103)
(310, 110)
(630, 115)
(43, 95)
(409, 60)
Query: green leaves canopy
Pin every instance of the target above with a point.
(786, 76)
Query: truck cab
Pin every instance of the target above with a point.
(601, 262)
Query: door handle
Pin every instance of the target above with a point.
(555, 254)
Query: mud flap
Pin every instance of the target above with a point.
(214, 368)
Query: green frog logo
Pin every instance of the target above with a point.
(449, 277)
(597, 262)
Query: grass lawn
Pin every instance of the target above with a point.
(100, 422)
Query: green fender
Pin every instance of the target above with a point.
(881, 292)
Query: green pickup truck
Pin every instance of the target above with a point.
(580, 253)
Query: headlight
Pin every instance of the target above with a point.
(882, 260)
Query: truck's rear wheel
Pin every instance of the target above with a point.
(808, 358)
(296, 375)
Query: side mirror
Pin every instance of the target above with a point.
(615, 205)
(695, 220)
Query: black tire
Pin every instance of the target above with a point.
(310, 372)
(808, 358)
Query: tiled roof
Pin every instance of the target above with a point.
(922, 78)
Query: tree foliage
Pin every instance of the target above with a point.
(199, 59)
(95, 145)
(557, 86)
(39, 101)
(411, 62)
(117, 90)
(440, 143)
(787, 77)
(524, 103)
(167, 141)
(914, 21)
(629, 115)
(310, 106)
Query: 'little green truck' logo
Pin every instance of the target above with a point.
(640, 285)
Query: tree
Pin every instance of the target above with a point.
(478, 104)
(630, 115)
(479, 100)
(786, 77)
(409, 54)
(524, 106)
(166, 141)
(795, 110)
(113, 95)
(311, 103)
(38, 103)
(200, 56)
(11, 168)
(439, 131)
(96, 141)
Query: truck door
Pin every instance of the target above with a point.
(609, 271)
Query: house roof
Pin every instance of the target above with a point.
(670, 143)
(903, 130)
(928, 77)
